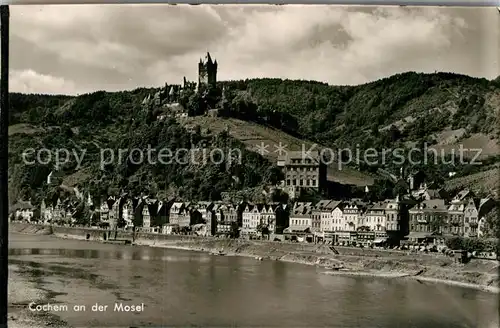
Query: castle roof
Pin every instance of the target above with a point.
(208, 58)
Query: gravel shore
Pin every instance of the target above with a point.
(23, 290)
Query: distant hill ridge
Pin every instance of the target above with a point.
(443, 109)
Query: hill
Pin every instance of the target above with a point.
(441, 111)
(253, 135)
(402, 111)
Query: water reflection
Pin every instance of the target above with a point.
(194, 289)
(139, 254)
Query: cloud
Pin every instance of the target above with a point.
(117, 47)
(29, 81)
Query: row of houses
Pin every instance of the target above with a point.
(392, 220)
(349, 221)
(426, 219)
(150, 215)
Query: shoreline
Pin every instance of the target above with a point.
(22, 290)
(432, 268)
(360, 273)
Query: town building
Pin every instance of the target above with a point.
(225, 216)
(23, 211)
(301, 219)
(104, 211)
(146, 216)
(456, 215)
(428, 221)
(374, 218)
(251, 219)
(46, 212)
(264, 217)
(180, 214)
(128, 213)
(303, 170)
(162, 212)
(321, 219)
(353, 214)
(337, 217)
(483, 207)
(114, 211)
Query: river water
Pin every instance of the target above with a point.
(182, 288)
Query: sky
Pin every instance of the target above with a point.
(75, 49)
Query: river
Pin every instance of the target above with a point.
(183, 288)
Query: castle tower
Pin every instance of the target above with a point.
(207, 73)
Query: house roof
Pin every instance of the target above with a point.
(302, 211)
(431, 205)
(322, 204)
(314, 156)
(463, 194)
(21, 205)
(378, 206)
(296, 204)
(162, 208)
(433, 193)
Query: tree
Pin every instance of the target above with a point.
(81, 215)
(234, 231)
(94, 219)
(263, 229)
(120, 223)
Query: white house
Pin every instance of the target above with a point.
(393, 214)
(375, 218)
(250, 219)
(128, 213)
(23, 211)
(352, 216)
(327, 224)
(337, 218)
(46, 212)
(301, 218)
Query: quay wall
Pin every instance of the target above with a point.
(204, 243)
(100, 234)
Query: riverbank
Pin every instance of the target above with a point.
(433, 268)
(23, 289)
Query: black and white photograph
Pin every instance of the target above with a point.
(249, 166)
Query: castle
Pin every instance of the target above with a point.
(172, 95)
(207, 73)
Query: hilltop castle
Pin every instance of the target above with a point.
(176, 95)
(207, 73)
